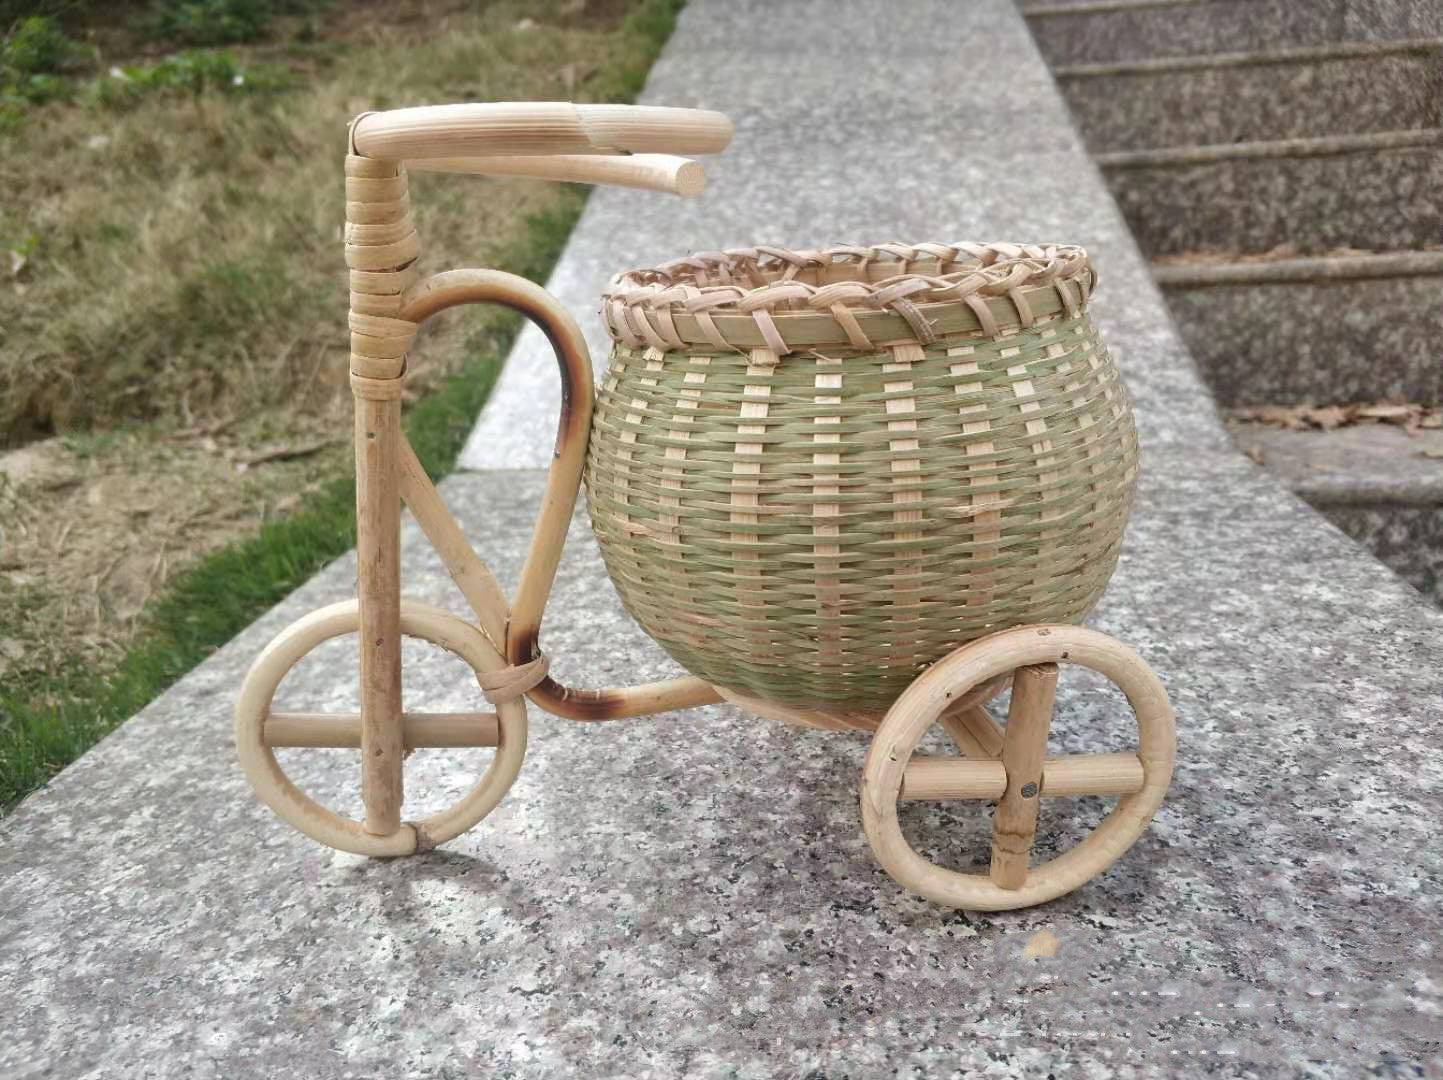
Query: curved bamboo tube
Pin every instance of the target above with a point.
(537, 127)
(563, 484)
(652, 172)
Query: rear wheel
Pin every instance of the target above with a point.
(1009, 765)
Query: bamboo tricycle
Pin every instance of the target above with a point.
(852, 488)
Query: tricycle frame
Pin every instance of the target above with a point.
(389, 303)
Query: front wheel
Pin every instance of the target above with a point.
(259, 729)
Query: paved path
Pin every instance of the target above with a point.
(691, 894)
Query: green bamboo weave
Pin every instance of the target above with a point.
(979, 482)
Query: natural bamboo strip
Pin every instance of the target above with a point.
(419, 730)
(654, 172)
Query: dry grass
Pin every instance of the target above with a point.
(180, 310)
(182, 257)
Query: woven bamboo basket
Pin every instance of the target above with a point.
(813, 474)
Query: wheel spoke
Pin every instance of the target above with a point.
(1092, 774)
(343, 730)
(940, 778)
(952, 778)
(974, 731)
(1024, 748)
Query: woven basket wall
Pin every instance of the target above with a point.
(812, 474)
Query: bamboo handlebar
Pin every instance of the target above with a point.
(533, 128)
(654, 172)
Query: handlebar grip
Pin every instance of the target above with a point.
(537, 128)
(654, 172)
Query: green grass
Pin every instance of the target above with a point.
(52, 719)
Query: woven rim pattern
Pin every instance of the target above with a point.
(817, 530)
(746, 297)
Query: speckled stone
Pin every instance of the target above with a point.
(1122, 32)
(1408, 538)
(1380, 485)
(1296, 99)
(691, 895)
(1316, 341)
(1374, 200)
(1137, 32)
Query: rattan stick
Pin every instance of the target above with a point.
(344, 729)
(1093, 774)
(378, 554)
(986, 521)
(1024, 747)
(475, 581)
(652, 172)
(952, 778)
(1079, 774)
(537, 127)
(973, 725)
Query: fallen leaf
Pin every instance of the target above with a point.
(1434, 452)
(1328, 417)
(1388, 413)
(1041, 944)
(1255, 453)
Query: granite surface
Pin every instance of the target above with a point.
(1126, 30)
(1316, 341)
(1294, 99)
(1372, 200)
(1380, 485)
(1134, 31)
(1351, 466)
(691, 894)
(1409, 539)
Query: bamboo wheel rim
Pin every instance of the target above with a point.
(933, 693)
(279, 792)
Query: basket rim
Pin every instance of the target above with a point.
(865, 297)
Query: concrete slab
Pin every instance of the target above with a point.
(690, 895)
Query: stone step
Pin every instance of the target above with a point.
(1239, 97)
(1375, 192)
(1380, 485)
(1321, 330)
(1104, 31)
